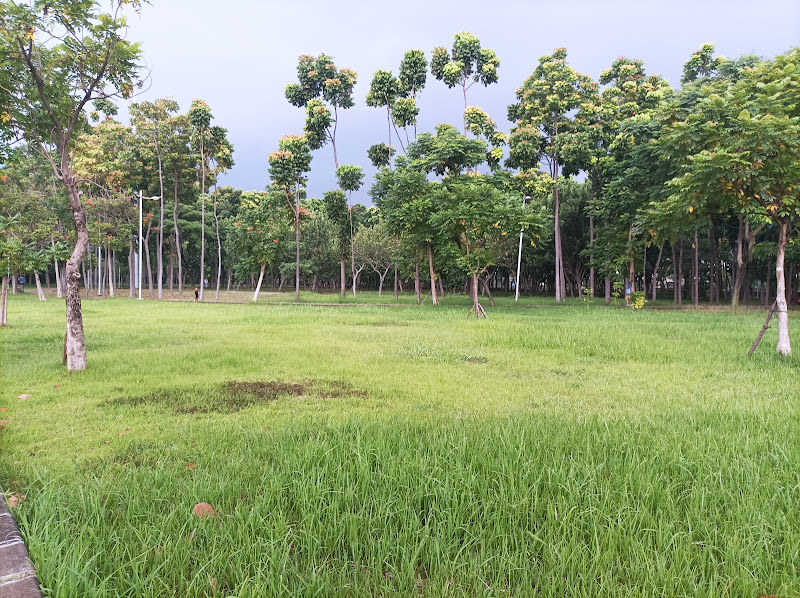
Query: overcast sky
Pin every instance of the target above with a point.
(239, 55)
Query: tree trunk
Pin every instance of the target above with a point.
(416, 281)
(765, 298)
(560, 279)
(343, 279)
(258, 286)
(177, 239)
(149, 267)
(739, 278)
(230, 275)
(396, 280)
(74, 343)
(39, 286)
(434, 297)
(202, 219)
(219, 243)
(297, 245)
(110, 273)
(696, 272)
(631, 266)
(4, 301)
(131, 270)
(784, 346)
(655, 270)
(608, 290)
(160, 260)
(487, 290)
(591, 256)
(680, 273)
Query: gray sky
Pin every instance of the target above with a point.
(239, 56)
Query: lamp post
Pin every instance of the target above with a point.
(519, 253)
(139, 277)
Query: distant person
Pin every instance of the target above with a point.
(627, 294)
(205, 283)
(196, 294)
(21, 283)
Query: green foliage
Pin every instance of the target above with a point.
(383, 90)
(467, 64)
(380, 154)
(319, 77)
(257, 231)
(288, 165)
(318, 122)
(446, 152)
(413, 72)
(350, 177)
(404, 112)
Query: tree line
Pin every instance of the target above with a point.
(598, 185)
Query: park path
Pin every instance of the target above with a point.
(17, 575)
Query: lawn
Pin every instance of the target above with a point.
(393, 450)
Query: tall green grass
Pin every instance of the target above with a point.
(402, 451)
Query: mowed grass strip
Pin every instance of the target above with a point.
(402, 451)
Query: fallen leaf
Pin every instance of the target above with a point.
(3, 408)
(190, 464)
(57, 386)
(203, 509)
(23, 397)
(15, 499)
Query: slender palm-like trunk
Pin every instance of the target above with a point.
(396, 281)
(561, 285)
(696, 272)
(631, 266)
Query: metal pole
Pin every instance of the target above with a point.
(519, 254)
(139, 274)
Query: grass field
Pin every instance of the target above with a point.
(392, 450)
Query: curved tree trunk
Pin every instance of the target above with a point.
(434, 297)
(160, 260)
(202, 219)
(258, 286)
(39, 290)
(177, 240)
(784, 346)
(219, 243)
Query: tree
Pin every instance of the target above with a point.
(287, 168)
(320, 87)
(200, 117)
(412, 76)
(478, 216)
(756, 165)
(58, 57)
(541, 114)
(350, 179)
(256, 232)
(221, 153)
(467, 65)
(152, 120)
(339, 214)
(383, 92)
(374, 247)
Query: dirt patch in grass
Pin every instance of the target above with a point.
(235, 395)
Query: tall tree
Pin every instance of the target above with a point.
(200, 117)
(322, 86)
(58, 57)
(151, 120)
(542, 117)
(287, 169)
(350, 179)
(465, 66)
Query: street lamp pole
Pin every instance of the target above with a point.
(519, 253)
